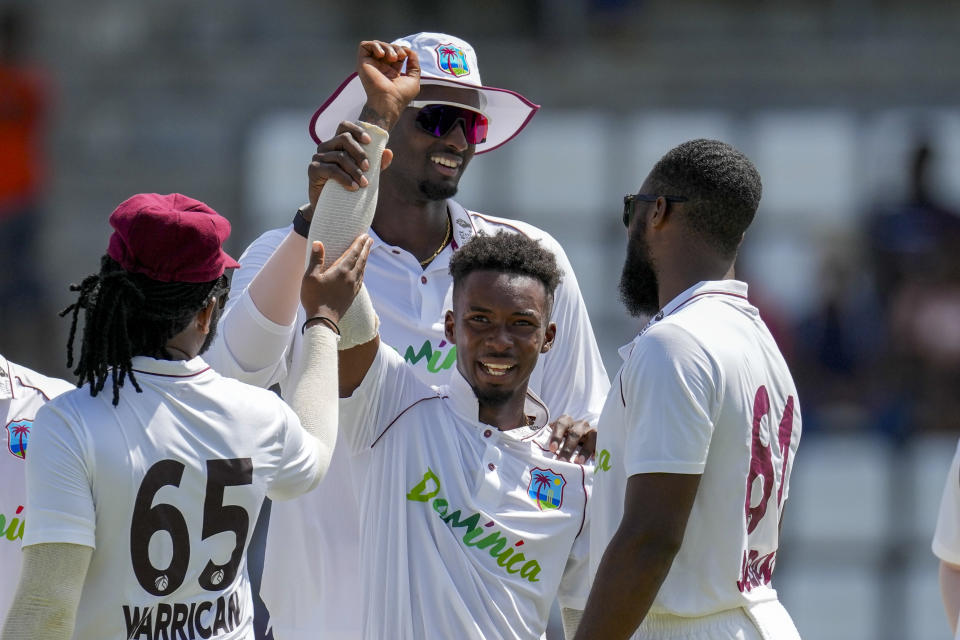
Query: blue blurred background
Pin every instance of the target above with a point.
(849, 108)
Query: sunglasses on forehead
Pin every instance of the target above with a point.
(437, 118)
(630, 204)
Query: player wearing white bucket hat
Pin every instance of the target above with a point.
(447, 61)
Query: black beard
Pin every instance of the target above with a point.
(639, 290)
(493, 397)
(434, 191)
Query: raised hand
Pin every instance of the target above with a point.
(329, 290)
(388, 88)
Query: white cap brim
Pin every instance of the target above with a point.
(508, 111)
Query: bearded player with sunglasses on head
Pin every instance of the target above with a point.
(417, 227)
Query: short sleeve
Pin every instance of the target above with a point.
(669, 387)
(946, 537)
(389, 388)
(299, 465)
(60, 505)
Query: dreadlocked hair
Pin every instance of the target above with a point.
(128, 314)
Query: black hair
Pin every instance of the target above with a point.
(722, 187)
(507, 253)
(128, 314)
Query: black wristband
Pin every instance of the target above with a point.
(325, 320)
(301, 226)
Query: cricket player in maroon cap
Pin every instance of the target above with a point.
(142, 500)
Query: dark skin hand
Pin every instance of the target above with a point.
(573, 440)
(332, 289)
(388, 91)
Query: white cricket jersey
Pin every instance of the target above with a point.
(166, 488)
(466, 531)
(411, 303)
(22, 393)
(704, 390)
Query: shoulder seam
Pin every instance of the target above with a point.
(399, 415)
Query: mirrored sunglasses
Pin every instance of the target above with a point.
(438, 117)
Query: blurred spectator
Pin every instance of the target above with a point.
(910, 241)
(838, 345)
(914, 249)
(23, 103)
(881, 349)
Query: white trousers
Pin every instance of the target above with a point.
(764, 621)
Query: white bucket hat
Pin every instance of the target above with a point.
(444, 60)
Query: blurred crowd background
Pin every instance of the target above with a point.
(850, 109)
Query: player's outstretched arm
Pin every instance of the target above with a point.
(330, 293)
(267, 285)
(635, 564)
(341, 214)
(350, 160)
(51, 581)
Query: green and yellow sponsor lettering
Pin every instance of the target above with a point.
(495, 542)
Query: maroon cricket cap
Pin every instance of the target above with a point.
(170, 238)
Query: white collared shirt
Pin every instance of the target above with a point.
(183, 468)
(411, 303)
(22, 393)
(704, 390)
(466, 531)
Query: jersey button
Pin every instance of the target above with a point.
(396, 252)
(491, 466)
(423, 279)
(487, 433)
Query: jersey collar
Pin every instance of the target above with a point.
(732, 288)
(169, 368)
(464, 403)
(462, 230)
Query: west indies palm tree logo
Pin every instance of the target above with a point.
(18, 435)
(546, 487)
(452, 60)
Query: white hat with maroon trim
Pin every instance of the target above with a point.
(444, 60)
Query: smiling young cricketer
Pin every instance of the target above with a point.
(470, 526)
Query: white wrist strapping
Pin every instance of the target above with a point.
(340, 216)
(314, 396)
